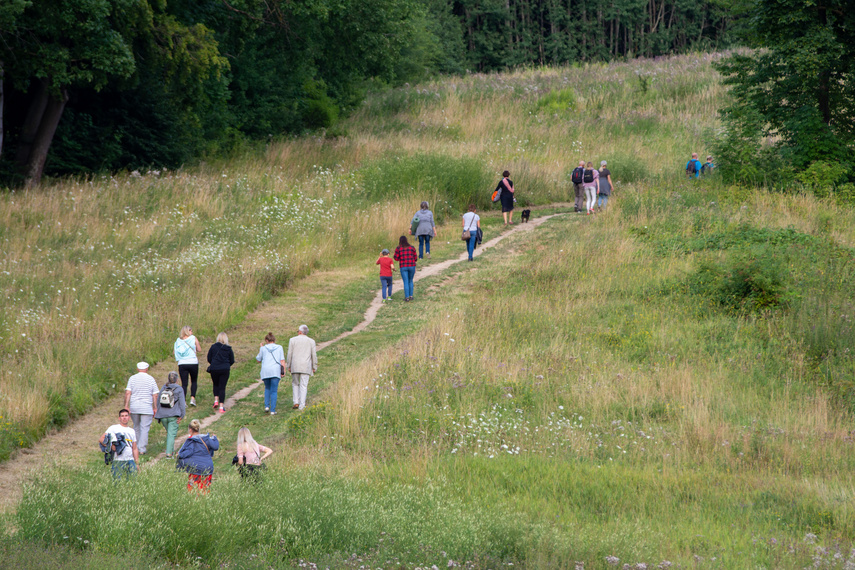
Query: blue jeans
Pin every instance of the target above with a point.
(602, 200)
(271, 391)
(470, 245)
(386, 285)
(424, 245)
(125, 469)
(407, 274)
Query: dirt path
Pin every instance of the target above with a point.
(76, 443)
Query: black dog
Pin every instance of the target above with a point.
(525, 215)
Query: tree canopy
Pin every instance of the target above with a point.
(108, 84)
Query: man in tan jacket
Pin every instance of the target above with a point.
(301, 362)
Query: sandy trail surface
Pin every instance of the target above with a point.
(77, 442)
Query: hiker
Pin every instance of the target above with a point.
(221, 357)
(577, 177)
(693, 167)
(195, 457)
(186, 346)
(302, 363)
(272, 359)
(506, 187)
(141, 399)
(471, 224)
(425, 230)
(405, 255)
(591, 183)
(708, 166)
(170, 409)
(120, 440)
(250, 460)
(387, 266)
(605, 190)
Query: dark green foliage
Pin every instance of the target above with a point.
(751, 282)
(798, 87)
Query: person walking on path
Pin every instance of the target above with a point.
(405, 255)
(186, 347)
(507, 198)
(425, 230)
(121, 440)
(168, 415)
(272, 359)
(605, 180)
(250, 455)
(471, 224)
(196, 457)
(302, 363)
(141, 399)
(387, 266)
(577, 177)
(693, 167)
(708, 167)
(221, 357)
(592, 185)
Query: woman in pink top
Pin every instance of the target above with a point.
(250, 454)
(591, 184)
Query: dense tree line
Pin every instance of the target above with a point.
(88, 85)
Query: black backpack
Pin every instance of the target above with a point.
(589, 176)
(692, 168)
(577, 176)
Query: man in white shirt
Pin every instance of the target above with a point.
(301, 362)
(141, 400)
(121, 440)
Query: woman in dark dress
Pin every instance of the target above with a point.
(507, 197)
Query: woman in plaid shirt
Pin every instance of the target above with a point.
(406, 256)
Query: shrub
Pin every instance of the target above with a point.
(751, 282)
(558, 102)
(820, 177)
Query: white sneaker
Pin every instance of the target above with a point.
(266, 409)
(272, 413)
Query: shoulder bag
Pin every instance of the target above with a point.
(466, 233)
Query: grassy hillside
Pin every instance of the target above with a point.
(99, 273)
(666, 384)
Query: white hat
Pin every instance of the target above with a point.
(602, 163)
(142, 365)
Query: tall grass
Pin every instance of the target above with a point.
(100, 272)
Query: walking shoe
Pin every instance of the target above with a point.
(192, 401)
(216, 405)
(222, 410)
(428, 255)
(272, 413)
(295, 406)
(266, 409)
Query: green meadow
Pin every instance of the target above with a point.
(667, 383)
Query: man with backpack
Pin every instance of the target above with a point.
(693, 167)
(120, 444)
(577, 177)
(141, 399)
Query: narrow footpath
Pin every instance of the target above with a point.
(77, 443)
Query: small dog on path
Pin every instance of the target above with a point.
(525, 215)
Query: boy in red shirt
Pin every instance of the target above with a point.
(387, 266)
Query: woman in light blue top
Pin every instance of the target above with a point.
(186, 346)
(272, 359)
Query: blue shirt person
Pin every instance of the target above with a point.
(693, 167)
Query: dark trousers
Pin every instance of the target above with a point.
(580, 196)
(220, 378)
(191, 371)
